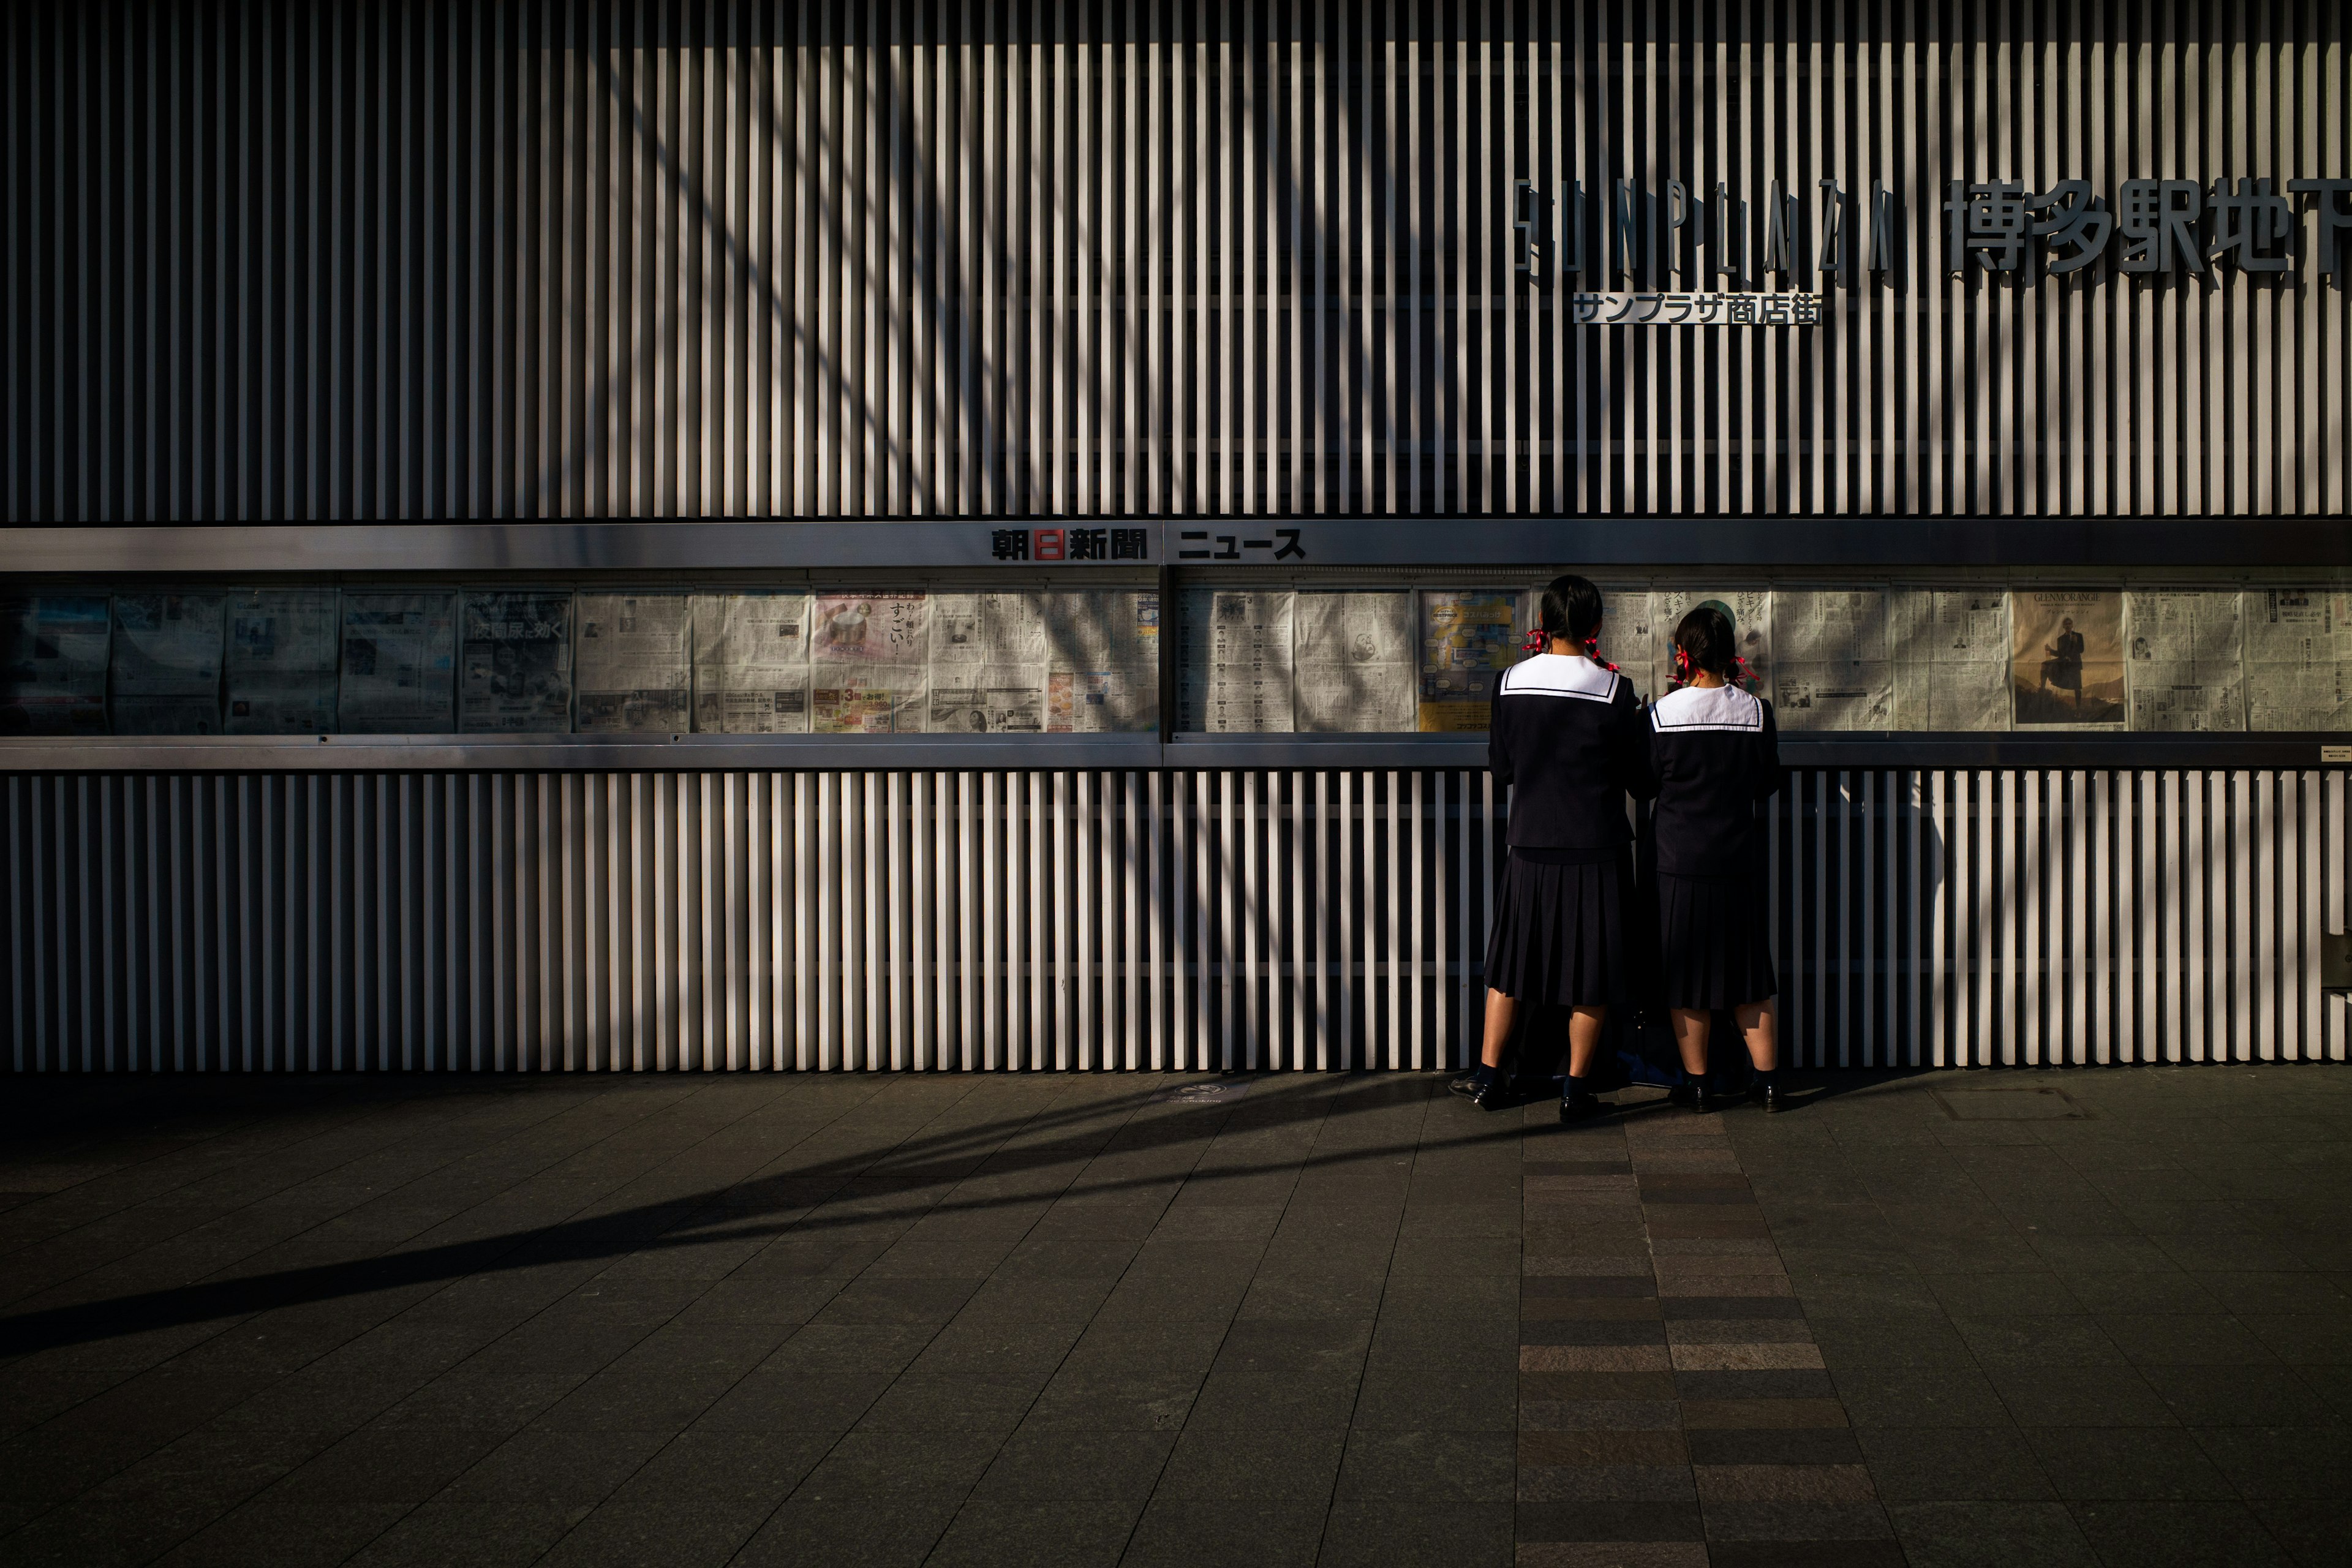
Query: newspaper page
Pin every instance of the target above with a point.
(2182, 665)
(1469, 638)
(53, 664)
(988, 664)
(2298, 658)
(1236, 672)
(398, 664)
(1950, 648)
(281, 662)
(1354, 656)
(632, 664)
(1630, 638)
(868, 658)
(2066, 658)
(750, 663)
(1834, 672)
(1102, 667)
(166, 666)
(1750, 611)
(515, 662)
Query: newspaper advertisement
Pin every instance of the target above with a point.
(869, 656)
(1950, 648)
(515, 662)
(750, 663)
(2066, 658)
(1750, 612)
(2182, 665)
(1102, 661)
(2298, 656)
(53, 664)
(281, 662)
(1236, 675)
(166, 676)
(1469, 638)
(398, 664)
(632, 664)
(1834, 672)
(1630, 638)
(1354, 656)
(988, 698)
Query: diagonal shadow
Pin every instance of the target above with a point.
(766, 1207)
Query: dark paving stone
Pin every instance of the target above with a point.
(696, 1502)
(1990, 1535)
(2313, 1533)
(2188, 1534)
(2282, 1462)
(1178, 1533)
(1611, 1521)
(990, 1532)
(851, 1532)
(1411, 1534)
(1392, 1398)
(1432, 1465)
(2239, 1395)
(1784, 1445)
(1210, 1463)
(2079, 1396)
(1906, 1396)
(1048, 1464)
(1986, 1464)
(2129, 1463)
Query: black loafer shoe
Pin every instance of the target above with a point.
(1581, 1107)
(1769, 1096)
(1683, 1094)
(1496, 1095)
(1467, 1086)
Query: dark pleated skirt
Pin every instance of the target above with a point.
(1715, 949)
(1561, 936)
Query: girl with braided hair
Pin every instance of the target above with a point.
(1714, 759)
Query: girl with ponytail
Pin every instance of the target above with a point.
(1566, 740)
(1714, 759)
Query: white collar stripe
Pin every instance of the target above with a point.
(1707, 707)
(1560, 675)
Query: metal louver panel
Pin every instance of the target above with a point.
(923, 921)
(1192, 257)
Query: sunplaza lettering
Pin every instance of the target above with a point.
(1644, 240)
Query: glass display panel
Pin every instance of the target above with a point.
(634, 662)
(1831, 666)
(2183, 659)
(1950, 649)
(1469, 638)
(867, 657)
(2298, 658)
(1353, 661)
(53, 658)
(399, 670)
(1751, 629)
(515, 663)
(281, 662)
(750, 663)
(1102, 661)
(166, 678)
(1237, 674)
(2066, 659)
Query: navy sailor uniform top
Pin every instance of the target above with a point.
(1566, 737)
(1714, 757)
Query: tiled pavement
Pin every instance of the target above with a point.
(1073, 1321)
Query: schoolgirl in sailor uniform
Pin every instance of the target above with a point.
(1714, 758)
(1566, 737)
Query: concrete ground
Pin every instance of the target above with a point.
(2089, 1316)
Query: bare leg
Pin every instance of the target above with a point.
(1691, 1025)
(1760, 1021)
(1584, 1039)
(1502, 1016)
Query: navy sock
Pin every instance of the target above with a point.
(1764, 1078)
(1485, 1075)
(1573, 1088)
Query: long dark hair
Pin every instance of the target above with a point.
(1570, 608)
(1705, 641)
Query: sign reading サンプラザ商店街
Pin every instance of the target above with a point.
(1647, 240)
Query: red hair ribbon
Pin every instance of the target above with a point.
(1592, 652)
(1534, 643)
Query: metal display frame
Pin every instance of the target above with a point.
(1179, 551)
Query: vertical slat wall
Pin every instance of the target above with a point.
(558, 258)
(1222, 919)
